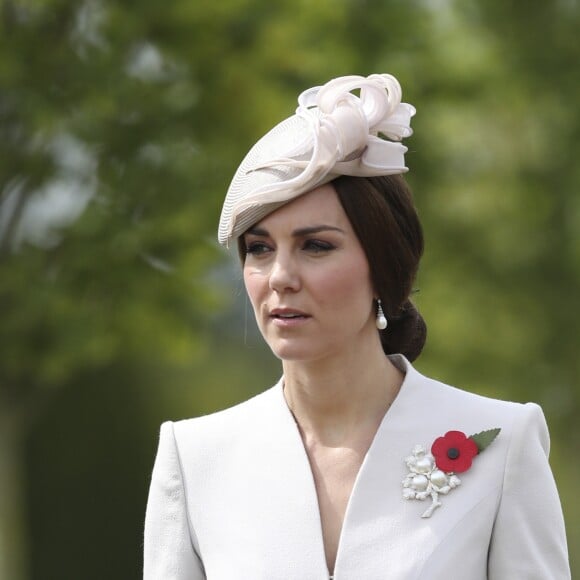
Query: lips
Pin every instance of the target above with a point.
(288, 314)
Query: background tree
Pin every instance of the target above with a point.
(94, 120)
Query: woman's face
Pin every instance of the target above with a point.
(308, 279)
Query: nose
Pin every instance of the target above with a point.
(284, 275)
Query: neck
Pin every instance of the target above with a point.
(335, 398)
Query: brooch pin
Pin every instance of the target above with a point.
(434, 474)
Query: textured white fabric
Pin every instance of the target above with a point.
(234, 490)
(170, 553)
(334, 132)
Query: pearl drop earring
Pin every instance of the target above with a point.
(381, 318)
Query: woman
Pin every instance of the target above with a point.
(350, 467)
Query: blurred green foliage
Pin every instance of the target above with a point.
(121, 124)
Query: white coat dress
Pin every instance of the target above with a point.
(232, 497)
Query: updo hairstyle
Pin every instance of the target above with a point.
(384, 218)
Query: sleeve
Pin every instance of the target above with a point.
(529, 538)
(169, 548)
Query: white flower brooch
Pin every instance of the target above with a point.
(433, 474)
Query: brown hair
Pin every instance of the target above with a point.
(383, 216)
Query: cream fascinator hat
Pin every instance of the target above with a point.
(333, 132)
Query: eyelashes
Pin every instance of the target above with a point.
(318, 246)
(256, 248)
(310, 246)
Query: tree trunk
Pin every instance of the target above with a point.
(13, 536)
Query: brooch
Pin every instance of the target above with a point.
(434, 474)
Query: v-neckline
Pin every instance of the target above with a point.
(360, 473)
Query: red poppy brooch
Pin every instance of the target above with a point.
(434, 474)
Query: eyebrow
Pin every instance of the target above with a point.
(258, 231)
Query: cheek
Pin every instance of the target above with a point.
(347, 286)
(254, 284)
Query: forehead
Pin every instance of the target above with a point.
(319, 206)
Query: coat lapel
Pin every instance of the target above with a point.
(383, 534)
(289, 482)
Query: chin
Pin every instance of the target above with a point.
(297, 352)
(291, 354)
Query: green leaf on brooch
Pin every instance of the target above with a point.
(483, 439)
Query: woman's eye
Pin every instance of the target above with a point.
(318, 246)
(257, 248)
